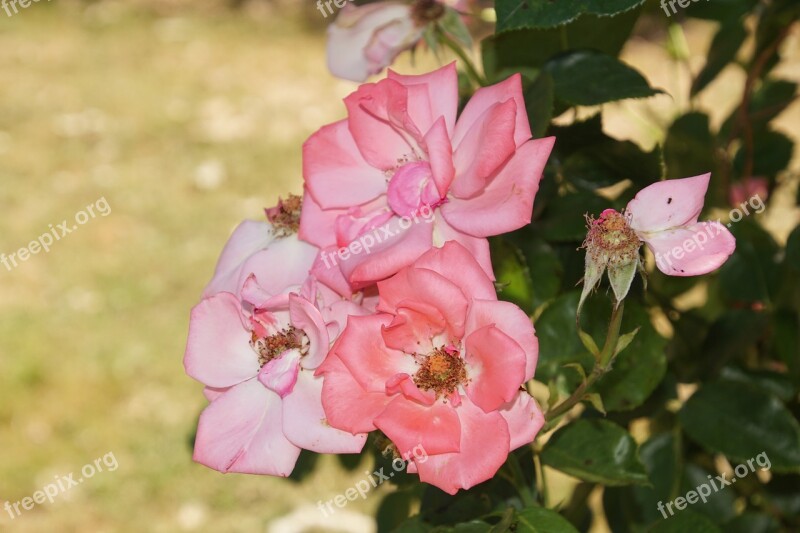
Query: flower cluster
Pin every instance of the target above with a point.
(407, 337)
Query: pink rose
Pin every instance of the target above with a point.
(401, 155)
(439, 367)
(256, 247)
(742, 192)
(257, 355)
(366, 39)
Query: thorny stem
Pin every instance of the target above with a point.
(601, 367)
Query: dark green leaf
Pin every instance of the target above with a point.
(541, 520)
(512, 273)
(530, 49)
(597, 451)
(542, 260)
(772, 382)
(563, 220)
(539, 103)
(742, 422)
(772, 152)
(751, 274)
(394, 510)
(750, 522)
(638, 370)
(719, 505)
(591, 78)
(719, 10)
(517, 14)
(726, 43)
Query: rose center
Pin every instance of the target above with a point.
(285, 217)
(441, 372)
(411, 188)
(272, 346)
(611, 236)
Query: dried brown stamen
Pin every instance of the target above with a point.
(268, 348)
(285, 217)
(441, 372)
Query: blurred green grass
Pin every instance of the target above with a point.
(186, 122)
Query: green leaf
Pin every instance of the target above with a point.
(751, 274)
(512, 273)
(793, 250)
(541, 520)
(595, 450)
(775, 383)
(624, 341)
(516, 14)
(558, 344)
(742, 422)
(563, 219)
(541, 259)
(719, 10)
(539, 103)
(588, 78)
(726, 43)
(685, 521)
(588, 343)
(596, 401)
(394, 510)
(638, 370)
(506, 53)
(453, 23)
(473, 526)
(772, 152)
(689, 147)
(719, 506)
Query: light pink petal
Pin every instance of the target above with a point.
(438, 99)
(478, 247)
(241, 432)
(308, 318)
(280, 374)
(668, 204)
(693, 250)
(486, 97)
(495, 366)
(379, 122)
(360, 347)
(413, 327)
(412, 187)
(404, 384)
(347, 405)
(506, 203)
(524, 418)
(326, 269)
(458, 264)
(285, 264)
(484, 149)
(316, 224)
(352, 32)
(484, 448)
(212, 393)
(440, 156)
(335, 173)
(218, 351)
(426, 286)
(395, 250)
(512, 321)
(409, 424)
(248, 238)
(305, 423)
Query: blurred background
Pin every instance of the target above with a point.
(187, 117)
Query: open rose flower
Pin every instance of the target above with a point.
(257, 246)
(257, 355)
(439, 367)
(663, 216)
(400, 152)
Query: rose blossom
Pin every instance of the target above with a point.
(257, 355)
(439, 366)
(663, 216)
(401, 150)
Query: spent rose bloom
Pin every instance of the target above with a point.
(663, 216)
(440, 365)
(366, 39)
(400, 151)
(257, 246)
(257, 354)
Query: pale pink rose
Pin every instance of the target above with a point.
(439, 367)
(257, 355)
(664, 216)
(402, 170)
(366, 39)
(256, 247)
